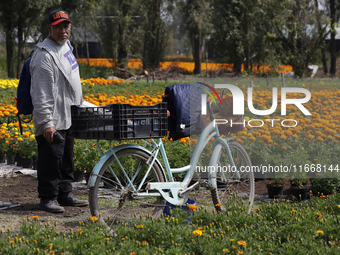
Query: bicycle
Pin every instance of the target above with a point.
(130, 178)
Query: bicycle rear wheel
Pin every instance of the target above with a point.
(113, 199)
(231, 182)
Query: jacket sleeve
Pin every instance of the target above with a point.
(43, 88)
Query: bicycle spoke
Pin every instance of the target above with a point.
(121, 202)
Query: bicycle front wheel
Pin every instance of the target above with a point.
(115, 195)
(233, 182)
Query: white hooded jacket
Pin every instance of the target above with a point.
(55, 85)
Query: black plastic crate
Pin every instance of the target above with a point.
(120, 121)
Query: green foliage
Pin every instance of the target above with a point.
(298, 182)
(27, 147)
(154, 34)
(277, 227)
(240, 35)
(86, 155)
(197, 23)
(87, 72)
(325, 186)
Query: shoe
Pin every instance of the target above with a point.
(50, 205)
(70, 200)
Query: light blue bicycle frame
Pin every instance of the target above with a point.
(168, 190)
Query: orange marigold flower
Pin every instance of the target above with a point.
(318, 214)
(94, 218)
(242, 243)
(192, 207)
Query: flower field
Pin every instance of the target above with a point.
(269, 140)
(185, 67)
(271, 228)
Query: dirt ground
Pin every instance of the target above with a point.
(22, 190)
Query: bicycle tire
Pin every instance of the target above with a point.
(111, 204)
(227, 184)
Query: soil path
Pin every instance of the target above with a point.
(21, 189)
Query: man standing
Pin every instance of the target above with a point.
(55, 86)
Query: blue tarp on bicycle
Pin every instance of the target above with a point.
(184, 105)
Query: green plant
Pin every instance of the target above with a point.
(277, 182)
(86, 155)
(298, 182)
(27, 147)
(325, 186)
(3, 146)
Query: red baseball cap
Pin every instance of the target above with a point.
(58, 16)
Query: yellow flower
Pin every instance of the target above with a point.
(242, 243)
(319, 232)
(197, 232)
(140, 226)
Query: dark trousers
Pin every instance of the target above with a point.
(55, 166)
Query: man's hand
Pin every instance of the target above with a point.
(48, 134)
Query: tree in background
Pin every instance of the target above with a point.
(20, 16)
(154, 33)
(8, 20)
(119, 29)
(84, 18)
(322, 23)
(197, 23)
(295, 25)
(239, 33)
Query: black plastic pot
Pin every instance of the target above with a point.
(26, 163)
(299, 193)
(78, 176)
(275, 190)
(10, 159)
(2, 158)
